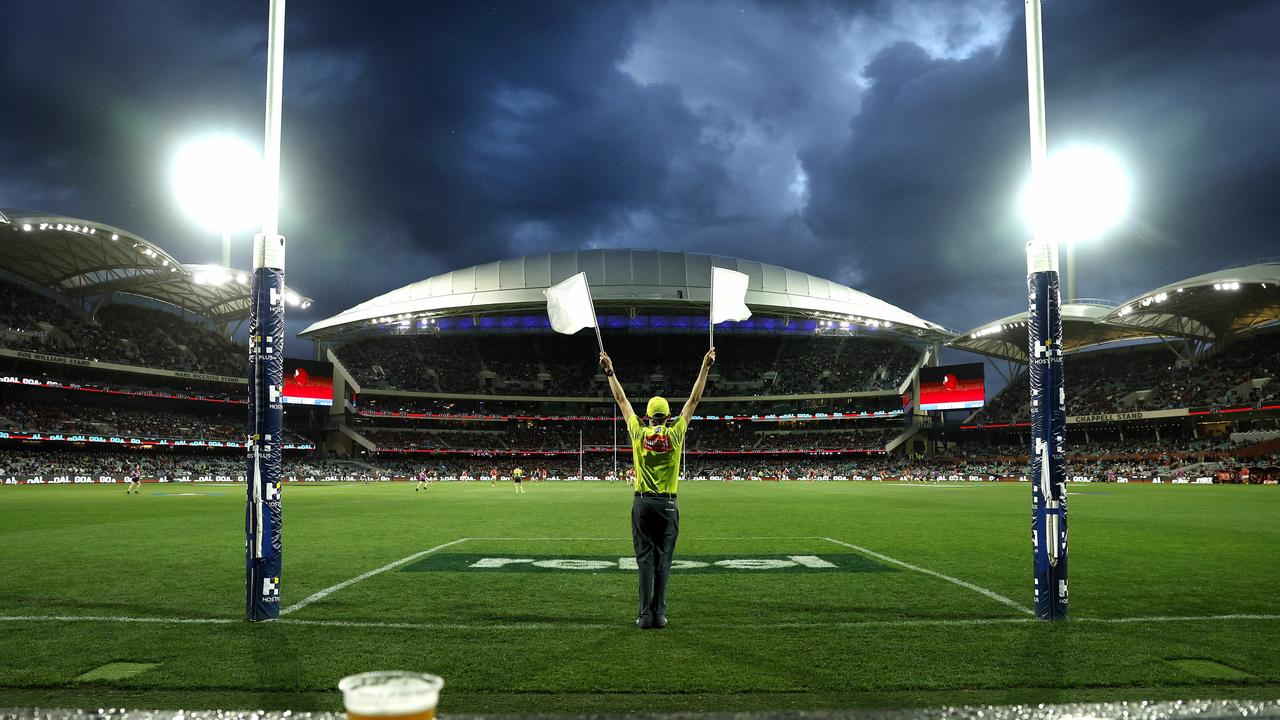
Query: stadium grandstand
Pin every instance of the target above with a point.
(1184, 379)
(465, 364)
(113, 354)
(462, 373)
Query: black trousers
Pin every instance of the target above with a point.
(655, 523)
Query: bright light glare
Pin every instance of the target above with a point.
(218, 180)
(212, 277)
(1085, 192)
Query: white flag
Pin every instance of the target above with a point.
(569, 305)
(728, 296)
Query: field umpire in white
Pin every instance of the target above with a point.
(655, 518)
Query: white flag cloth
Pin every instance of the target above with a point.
(569, 305)
(728, 296)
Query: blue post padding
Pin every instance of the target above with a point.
(264, 428)
(1048, 445)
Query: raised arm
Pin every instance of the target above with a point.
(619, 395)
(695, 397)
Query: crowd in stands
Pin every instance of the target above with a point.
(52, 460)
(108, 420)
(1142, 453)
(647, 364)
(117, 421)
(568, 436)
(386, 406)
(790, 468)
(210, 392)
(114, 463)
(1077, 446)
(118, 333)
(1149, 377)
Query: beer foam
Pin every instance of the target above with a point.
(390, 693)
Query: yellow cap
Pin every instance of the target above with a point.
(657, 406)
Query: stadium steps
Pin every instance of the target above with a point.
(356, 466)
(1194, 469)
(1246, 388)
(904, 436)
(356, 437)
(1135, 397)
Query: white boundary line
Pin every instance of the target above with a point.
(687, 539)
(365, 576)
(967, 585)
(374, 624)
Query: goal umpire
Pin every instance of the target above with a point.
(655, 518)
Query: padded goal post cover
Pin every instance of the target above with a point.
(1048, 444)
(264, 430)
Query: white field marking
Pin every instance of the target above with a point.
(374, 624)
(365, 576)
(967, 585)
(115, 618)
(688, 538)
(515, 538)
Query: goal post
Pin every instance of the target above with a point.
(1044, 364)
(263, 515)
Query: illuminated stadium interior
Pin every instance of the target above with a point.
(462, 368)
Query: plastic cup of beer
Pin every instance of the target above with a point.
(391, 695)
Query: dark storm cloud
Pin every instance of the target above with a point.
(923, 188)
(876, 143)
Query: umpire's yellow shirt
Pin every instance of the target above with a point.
(655, 449)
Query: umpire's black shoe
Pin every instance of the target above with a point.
(644, 622)
(659, 622)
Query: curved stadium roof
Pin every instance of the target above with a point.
(1209, 308)
(623, 279)
(1082, 327)
(79, 258)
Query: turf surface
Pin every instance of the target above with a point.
(1154, 570)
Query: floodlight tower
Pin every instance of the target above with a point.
(1044, 363)
(263, 516)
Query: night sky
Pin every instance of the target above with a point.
(879, 144)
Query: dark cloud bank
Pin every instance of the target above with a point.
(877, 143)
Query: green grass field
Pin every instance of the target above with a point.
(1173, 591)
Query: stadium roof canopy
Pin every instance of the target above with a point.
(1083, 326)
(1209, 307)
(622, 280)
(79, 258)
(1206, 308)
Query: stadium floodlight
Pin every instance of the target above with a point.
(1084, 192)
(218, 181)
